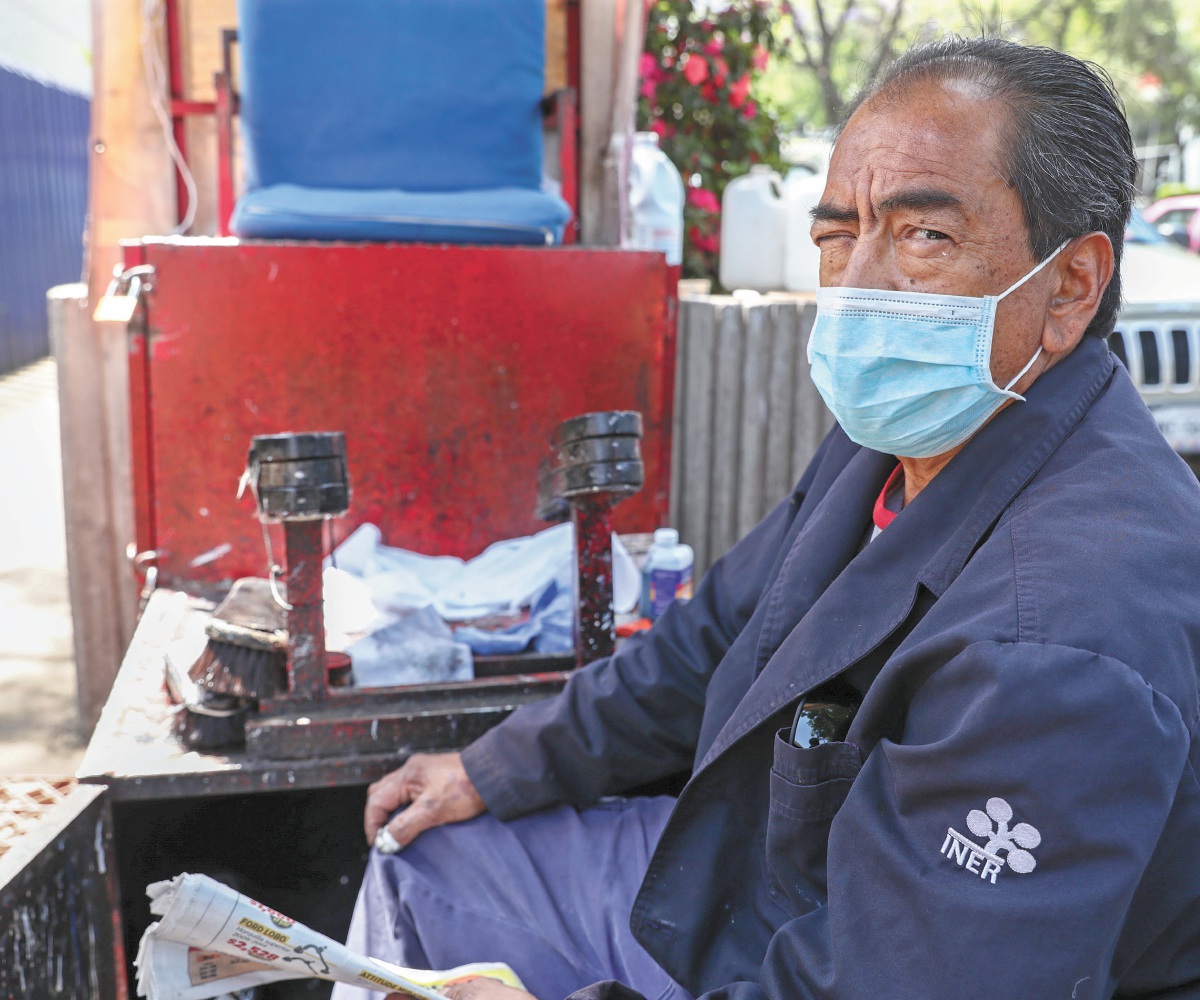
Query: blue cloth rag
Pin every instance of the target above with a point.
(549, 628)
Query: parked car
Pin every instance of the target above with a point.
(1178, 219)
(1157, 335)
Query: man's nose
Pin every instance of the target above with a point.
(869, 264)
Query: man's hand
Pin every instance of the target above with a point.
(435, 786)
(479, 988)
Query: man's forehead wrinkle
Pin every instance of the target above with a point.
(904, 125)
(908, 165)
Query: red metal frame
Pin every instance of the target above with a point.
(224, 112)
(572, 137)
(670, 338)
(568, 157)
(180, 109)
(574, 53)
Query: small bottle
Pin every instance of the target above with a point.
(666, 573)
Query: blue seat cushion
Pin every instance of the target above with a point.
(494, 215)
(418, 95)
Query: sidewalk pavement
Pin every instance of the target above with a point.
(39, 724)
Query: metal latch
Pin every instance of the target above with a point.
(144, 562)
(120, 300)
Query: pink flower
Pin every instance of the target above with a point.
(713, 47)
(709, 92)
(695, 71)
(750, 110)
(658, 127)
(648, 90)
(739, 91)
(720, 70)
(706, 244)
(649, 69)
(760, 57)
(703, 199)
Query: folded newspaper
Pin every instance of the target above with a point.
(212, 940)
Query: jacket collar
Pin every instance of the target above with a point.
(872, 593)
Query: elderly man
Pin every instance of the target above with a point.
(995, 551)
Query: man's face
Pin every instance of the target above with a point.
(917, 199)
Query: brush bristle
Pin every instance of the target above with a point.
(225, 668)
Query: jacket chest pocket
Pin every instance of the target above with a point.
(808, 787)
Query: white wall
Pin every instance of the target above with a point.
(49, 40)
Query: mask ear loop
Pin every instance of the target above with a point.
(1020, 281)
(1017, 378)
(1007, 390)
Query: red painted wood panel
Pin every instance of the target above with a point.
(447, 367)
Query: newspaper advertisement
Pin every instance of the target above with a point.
(211, 940)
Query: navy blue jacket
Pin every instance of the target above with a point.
(1015, 813)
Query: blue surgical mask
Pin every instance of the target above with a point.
(909, 373)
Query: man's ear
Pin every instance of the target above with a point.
(1083, 271)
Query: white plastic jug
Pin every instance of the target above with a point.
(655, 199)
(753, 225)
(802, 260)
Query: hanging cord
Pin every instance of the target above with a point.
(249, 478)
(156, 78)
(331, 542)
(275, 571)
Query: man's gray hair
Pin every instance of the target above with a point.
(1070, 156)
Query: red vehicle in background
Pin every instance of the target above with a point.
(1178, 219)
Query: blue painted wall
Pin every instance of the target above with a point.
(43, 202)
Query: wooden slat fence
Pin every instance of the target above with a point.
(747, 416)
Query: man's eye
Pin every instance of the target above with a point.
(931, 234)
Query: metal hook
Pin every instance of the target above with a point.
(274, 570)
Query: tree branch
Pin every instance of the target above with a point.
(819, 10)
(845, 16)
(798, 32)
(883, 53)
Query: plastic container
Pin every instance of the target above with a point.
(753, 228)
(656, 198)
(802, 260)
(666, 573)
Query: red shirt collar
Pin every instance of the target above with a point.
(881, 515)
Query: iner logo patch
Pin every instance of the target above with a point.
(986, 861)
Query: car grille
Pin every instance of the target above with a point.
(1161, 356)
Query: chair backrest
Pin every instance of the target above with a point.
(424, 95)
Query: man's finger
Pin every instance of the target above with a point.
(396, 782)
(374, 816)
(384, 797)
(482, 988)
(416, 819)
(379, 807)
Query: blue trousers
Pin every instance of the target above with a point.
(550, 894)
